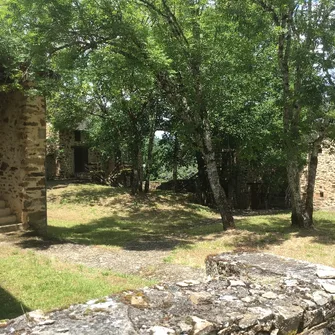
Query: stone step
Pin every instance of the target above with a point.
(5, 211)
(8, 219)
(2, 204)
(11, 228)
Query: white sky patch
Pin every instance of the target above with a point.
(159, 133)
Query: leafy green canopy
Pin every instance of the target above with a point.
(113, 57)
(13, 52)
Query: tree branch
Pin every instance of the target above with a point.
(170, 18)
(270, 9)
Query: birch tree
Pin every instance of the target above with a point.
(304, 35)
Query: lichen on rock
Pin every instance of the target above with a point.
(270, 295)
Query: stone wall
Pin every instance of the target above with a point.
(244, 294)
(61, 162)
(249, 188)
(22, 157)
(324, 192)
(51, 166)
(66, 155)
(68, 143)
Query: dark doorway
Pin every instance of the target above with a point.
(80, 159)
(77, 135)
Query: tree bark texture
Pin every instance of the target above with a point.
(136, 183)
(140, 170)
(311, 176)
(149, 157)
(291, 86)
(214, 180)
(204, 193)
(175, 162)
(298, 217)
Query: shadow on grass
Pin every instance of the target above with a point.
(144, 225)
(30, 239)
(276, 229)
(167, 229)
(138, 230)
(260, 233)
(261, 212)
(324, 232)
(10, 307)
(90, 194)
(139, 225)
(265, 224)
(151, 229)
(111, 196)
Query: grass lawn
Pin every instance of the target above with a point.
(105, 216)
(264, 233)
(111, 218)
(29, 281)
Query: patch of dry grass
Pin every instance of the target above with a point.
(265, 233)
(116, 218)
(111, 217)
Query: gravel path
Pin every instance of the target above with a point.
(145, 258)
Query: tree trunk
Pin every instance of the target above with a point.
(134, 183)
(291, 118)
(140, 170)
(204, 195)
(149, 157)
(175, 163)
(312, 168)
(299, 217)
(136, 168)
(214, 180)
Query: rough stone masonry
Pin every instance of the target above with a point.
(22, 157)
(245, 293)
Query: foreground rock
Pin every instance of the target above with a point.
(246, 293)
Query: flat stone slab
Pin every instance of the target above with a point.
(326, 273)
(256, 264)
(246, 293)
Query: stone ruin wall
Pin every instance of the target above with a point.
(61, 163)
(243, 294)
(51, 166)
(324, 191)
(66, 155)
(22, 157)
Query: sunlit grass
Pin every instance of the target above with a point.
(120, 218)
(29, 281)
(111, 217)
(264, 233)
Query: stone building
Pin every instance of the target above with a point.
(324, 191)
(251, 190)
(249, 186)
(69, 156)
(22, 162)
